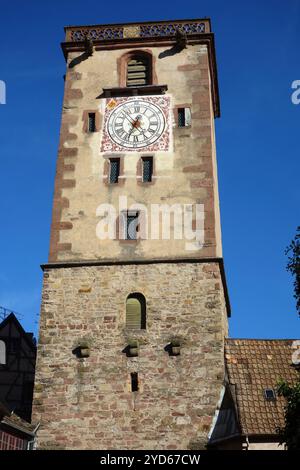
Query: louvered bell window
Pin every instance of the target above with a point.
(135, 312)
(147, 169)
(114, 171)
(138, 71)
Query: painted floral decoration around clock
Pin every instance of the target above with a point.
(136, 124)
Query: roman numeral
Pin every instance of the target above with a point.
(143, 132)
(120, 132)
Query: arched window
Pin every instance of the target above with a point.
(2, 352)
(138, 70)
(136, 312)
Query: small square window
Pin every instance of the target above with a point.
(114, 170)
(184, 117)
(147, 166)
(270, 394)
(92, 122)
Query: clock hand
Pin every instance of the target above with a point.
(138, 124)
(133, 121)
(130, 132)
(130, 120)
(135, 125)
(126, 115)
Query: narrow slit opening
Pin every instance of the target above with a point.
(134, 382)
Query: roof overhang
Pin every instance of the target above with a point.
(146, 34)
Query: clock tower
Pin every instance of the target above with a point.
(134, 304)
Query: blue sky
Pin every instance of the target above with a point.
(257, 145)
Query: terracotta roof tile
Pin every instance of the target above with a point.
(253, 366)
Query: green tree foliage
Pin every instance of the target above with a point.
(290, 433)
(293, 266)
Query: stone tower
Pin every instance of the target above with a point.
(134, 305)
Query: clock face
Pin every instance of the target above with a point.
(136, 124)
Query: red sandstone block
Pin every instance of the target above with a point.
(69, 167)
(64, 225)
(192, 169)
(207, 182)
(201, 97)
(188, 67)
(64, 202)
(203, 81)
(72, 75)
(65, 136)
(201, 131)
(68, 183)
(70, 119)
(196, 83)
(196, 183)
(59, 226)
(203, 59)
(201, 114)
(68, 152)
(64, 246)
(73, 94)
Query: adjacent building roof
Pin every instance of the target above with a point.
(254, 365)
(28, 336)
(15, 422)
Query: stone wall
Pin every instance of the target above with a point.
(187, 174)
(88, 403)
